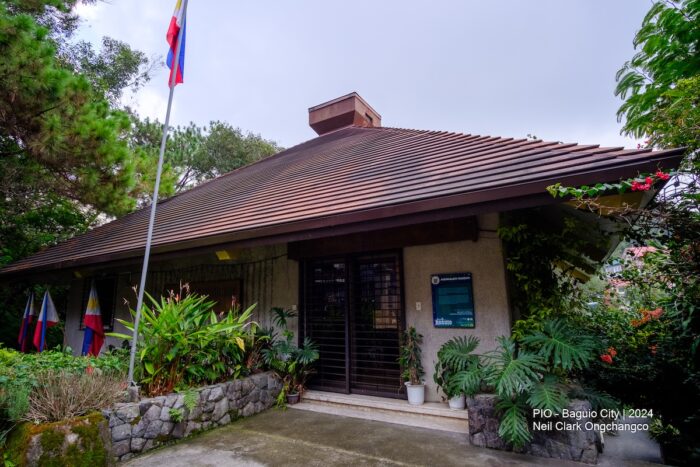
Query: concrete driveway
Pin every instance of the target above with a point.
(301, 438)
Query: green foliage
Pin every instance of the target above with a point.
(537, 371)
(182, 342)
(291, 363)
(510, 371)
(195, 154)
(176, 415)
(19, 373)
(56, 125)
(560, 345)
(410, 356)
(513, 425)
(667, 46)
(458, 370)
(646, 181)
(190, 398)
(111, 70)
(549, 393)
(545, 258)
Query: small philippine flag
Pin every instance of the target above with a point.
(177, 22)
(47, 317)
(94, 332)
(27, 319)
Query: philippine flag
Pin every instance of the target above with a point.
(27, 319)
(94, 332)
(47, 318)
(176, 23)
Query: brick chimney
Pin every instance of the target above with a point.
(344, 111)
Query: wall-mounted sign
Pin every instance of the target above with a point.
(453, 300)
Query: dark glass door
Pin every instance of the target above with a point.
(353, 310)
(325, 319)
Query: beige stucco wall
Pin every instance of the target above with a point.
(269, 280)
(277, 284)
(484, 259)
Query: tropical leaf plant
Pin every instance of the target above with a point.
(548, 394)
(560, 345)
(458, 370)
(510, 371)
(183, 342)
(537, 371)
(514, 426)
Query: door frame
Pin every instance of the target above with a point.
(348, 259)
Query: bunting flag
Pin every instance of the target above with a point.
(47, 318)
(177, 22)
(27, 319)
(94, 332)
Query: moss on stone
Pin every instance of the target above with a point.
(52, 440)
(136, 420)
(92, 450)
(163, 438)
(89, 449)
(17, 444)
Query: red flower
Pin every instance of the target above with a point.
(656, 314)
(606, 358)
(652, 349)
(662, 176)
(612, 351)
(89, 369)
(639, 186)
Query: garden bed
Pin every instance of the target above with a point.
(137, 427)
(576, 445)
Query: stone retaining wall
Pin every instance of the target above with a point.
(577, 445)
(138, 427)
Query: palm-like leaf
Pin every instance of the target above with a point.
(548, 394)
(457, 353)
(509, 372)
(513, 427)
(467, 382)
(561, 346)
(307, 353)
(598, 399)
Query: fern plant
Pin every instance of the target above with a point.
(458, 369)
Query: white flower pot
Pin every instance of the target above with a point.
(416, 393)
(457, 402)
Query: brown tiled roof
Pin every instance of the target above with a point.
(348, 176)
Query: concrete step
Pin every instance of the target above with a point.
(432, 415)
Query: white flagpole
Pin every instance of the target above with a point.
(144, 269)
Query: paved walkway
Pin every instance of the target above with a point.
(301, 438)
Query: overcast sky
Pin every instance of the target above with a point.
(497, 67)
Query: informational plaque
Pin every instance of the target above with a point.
(453, 300)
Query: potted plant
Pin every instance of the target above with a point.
(291, 363)
(410, 360)
(458, 370)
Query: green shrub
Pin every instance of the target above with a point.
(291, 363)
(539, 371)
(184, 343)
(20, 373)
(458, 369)
(410, 356)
